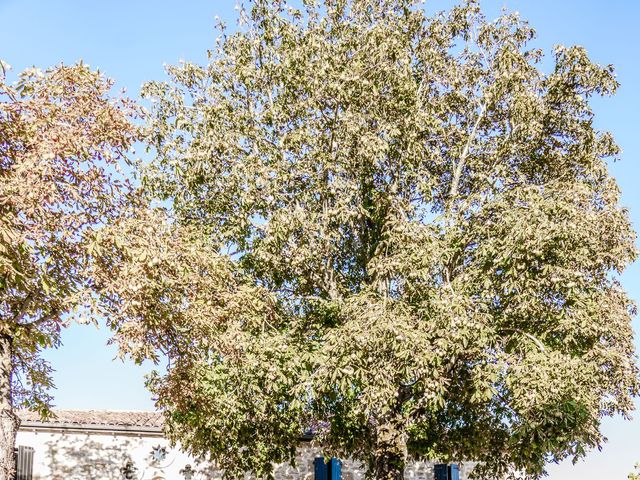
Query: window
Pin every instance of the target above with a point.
(331, 470)
(24, 463)
(442, 471)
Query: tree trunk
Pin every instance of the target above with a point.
(391, 453)
(8, 418)
(389, 466)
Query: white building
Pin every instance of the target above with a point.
(81, 445)
(112, 445)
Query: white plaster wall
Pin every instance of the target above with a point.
(71, 456)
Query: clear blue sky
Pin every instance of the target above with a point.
(131, 40)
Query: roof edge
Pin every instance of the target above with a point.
(53, 426)
(123, 430)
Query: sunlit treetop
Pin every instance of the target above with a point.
(395, 229)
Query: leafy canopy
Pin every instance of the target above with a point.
(61, 139)
(391, 228)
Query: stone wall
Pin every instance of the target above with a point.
(352, 470)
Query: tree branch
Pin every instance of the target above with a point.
(535, 340)
(22, 311)
(43, 319)
(465, 153)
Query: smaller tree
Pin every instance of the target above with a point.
(62, 141)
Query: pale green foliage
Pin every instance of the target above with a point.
(62, 136)
(393, 229)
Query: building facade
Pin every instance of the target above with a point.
(110, 445)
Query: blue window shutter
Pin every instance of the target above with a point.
(440, 471)
(335, 469)
(454, 472)
(320, 469)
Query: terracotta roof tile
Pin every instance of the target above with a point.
(97, 417)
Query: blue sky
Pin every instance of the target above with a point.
(131, 40)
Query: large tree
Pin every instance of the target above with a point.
(62, 139)
(394, 229)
